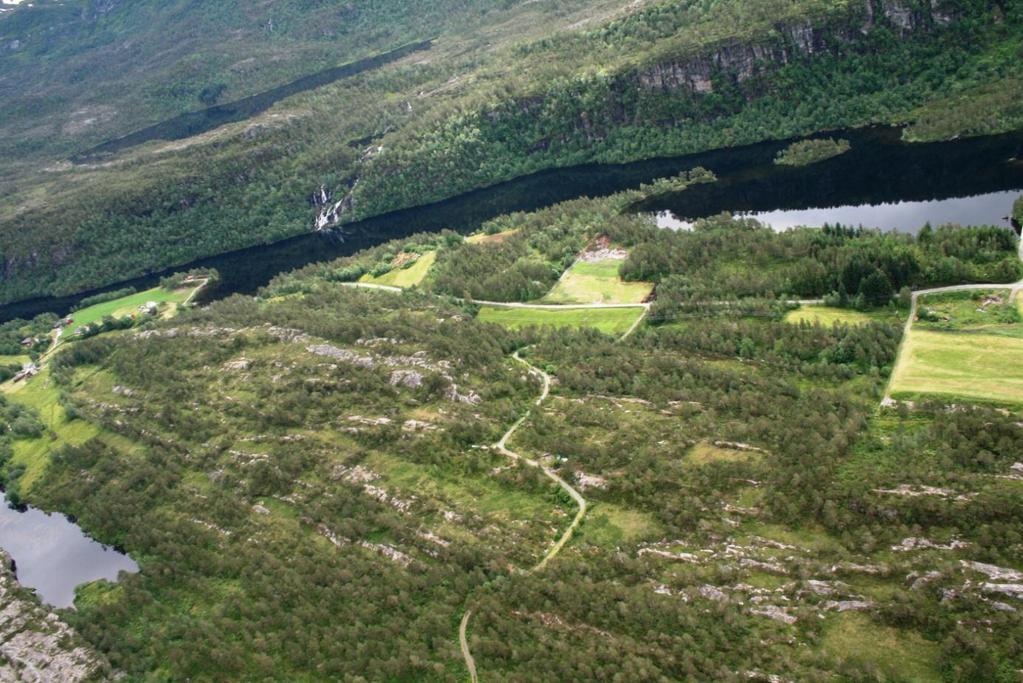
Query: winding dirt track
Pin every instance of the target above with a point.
(1016, 289)
(502, 448)
(463, 642)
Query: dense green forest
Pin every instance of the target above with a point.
(507, 89)
(305, 479)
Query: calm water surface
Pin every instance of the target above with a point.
(53, 555)
(992, 208)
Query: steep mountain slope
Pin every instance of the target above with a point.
(77, 73)
(523, 87)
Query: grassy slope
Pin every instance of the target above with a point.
(895, 654)
(596, 282)
(609, 321)
(404, 277)
(41, 395)
(826, 315)
(142, 62)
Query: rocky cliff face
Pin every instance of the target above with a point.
(742, 61)
(35, 645)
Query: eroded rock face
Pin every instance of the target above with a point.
(34, 644)
(740, 61)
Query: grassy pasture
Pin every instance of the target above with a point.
(484, 238)
(971, 365)
(588, 282)
(705, 453)
(127, 305)
(609, 526)
(404, 277)
(612, 321)
(40, 394)
(827, 316)
(896, 655)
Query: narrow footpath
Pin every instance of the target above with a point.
(502, 448)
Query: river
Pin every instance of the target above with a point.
(963, 181)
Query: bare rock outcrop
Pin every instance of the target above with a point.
(35, 645)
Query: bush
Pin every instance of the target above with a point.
(806, 152)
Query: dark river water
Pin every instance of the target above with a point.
(881, 181)
(52, 555)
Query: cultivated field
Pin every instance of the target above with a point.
(127, 305)
(970, 365)
(404, 277)
(608, 320)
(595, 282)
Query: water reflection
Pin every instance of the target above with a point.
(992, 208)
(53, 555)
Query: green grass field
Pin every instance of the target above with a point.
(607, 320)
(896, 655)
(404, 277)
(971, 365)
(988, 311)
(40, 393)
(826, 315)
(596, 283)
(127, 305)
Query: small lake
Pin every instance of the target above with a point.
(53, 555)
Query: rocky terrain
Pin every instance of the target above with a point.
(35, 644)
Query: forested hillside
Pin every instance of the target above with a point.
(507, 89)
(325, 481)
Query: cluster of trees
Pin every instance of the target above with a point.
(13, 332)
(380, 260)
(107, 323)
(176, 280)
(806, 152)
(525, 263)
(852, 266)
(103, 297)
